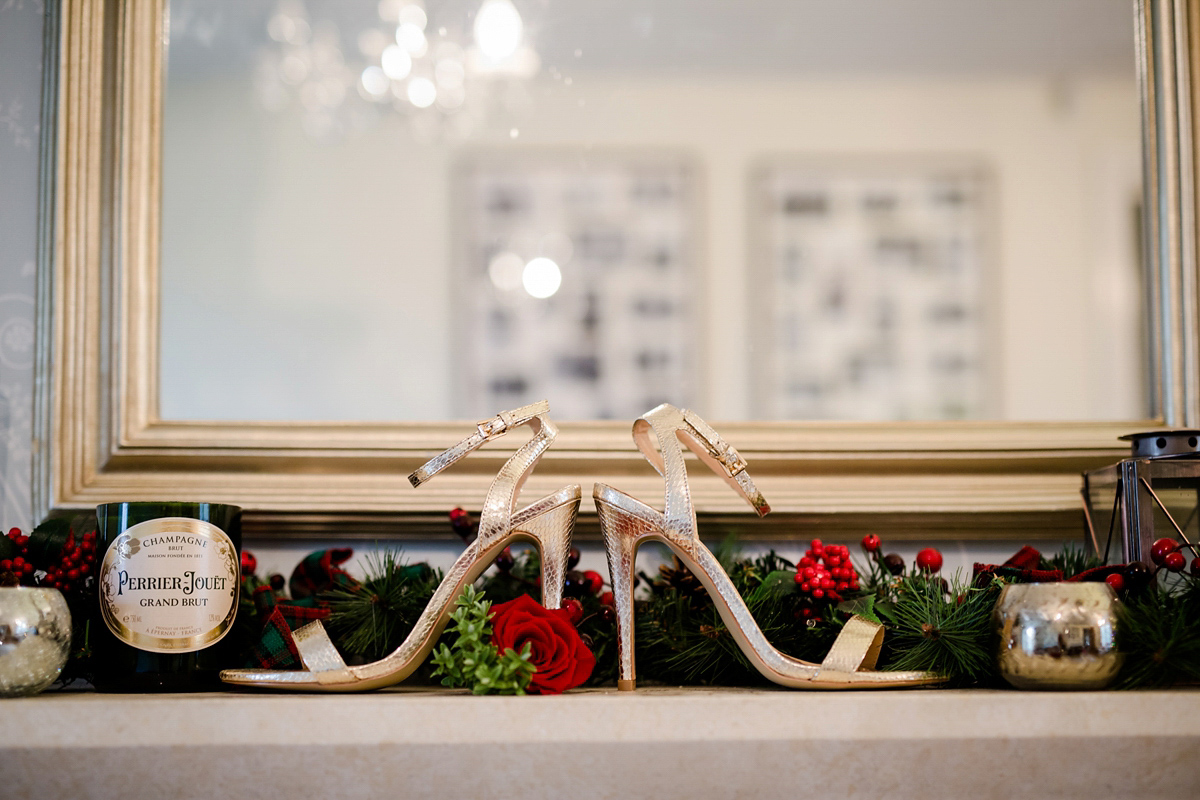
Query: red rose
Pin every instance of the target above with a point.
(563, 661)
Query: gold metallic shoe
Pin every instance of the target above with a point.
(626, 523)
(546, 523)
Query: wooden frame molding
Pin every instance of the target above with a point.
(99, 437)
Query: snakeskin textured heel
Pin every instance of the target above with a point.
(626, 523)
(546, 523)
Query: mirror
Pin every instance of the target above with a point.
(789, 238)
(769, 210)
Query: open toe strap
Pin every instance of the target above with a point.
(319, 656)
(856, 648)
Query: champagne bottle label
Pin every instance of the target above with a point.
(170, 585)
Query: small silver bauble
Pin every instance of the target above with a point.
(1057, 635)
(35, 639)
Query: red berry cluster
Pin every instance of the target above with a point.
(1165, 552)
(78, 561)
(75, 564)
(19, 565)
(825, 571)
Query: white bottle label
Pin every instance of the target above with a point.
(170, 585)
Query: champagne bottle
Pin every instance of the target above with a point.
(168, 587)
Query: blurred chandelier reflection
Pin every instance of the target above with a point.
(442, 76)
(541, 278)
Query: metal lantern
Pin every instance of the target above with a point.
(1154, 493)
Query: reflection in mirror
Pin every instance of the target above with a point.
(777, 209)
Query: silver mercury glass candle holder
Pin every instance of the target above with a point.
(35, 639)
(1057, 635)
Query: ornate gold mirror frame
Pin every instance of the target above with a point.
(98, 437)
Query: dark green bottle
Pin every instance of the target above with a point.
(168, 585)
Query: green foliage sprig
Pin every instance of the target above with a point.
(940, 627)
(372, 618)
(1159, 632)
(1071, 560)
(471, 661)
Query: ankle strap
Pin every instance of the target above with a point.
(485, 431)
(729, 459)
(667, 421)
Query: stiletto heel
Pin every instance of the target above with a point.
(546, 523)
(626, 523)
(622, 535)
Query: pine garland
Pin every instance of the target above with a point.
(371, 619)
(681, 638)
(943, 630)
(1159, 632)
(934, 625)
(599, 632)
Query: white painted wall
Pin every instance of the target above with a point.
(307, 280)
(20, 130)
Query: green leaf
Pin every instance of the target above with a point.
(471, 660)
(46, 542)
(775, 586)
(861, 606)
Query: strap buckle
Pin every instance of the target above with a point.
(731, 460)
(724, 453)
(493, 427)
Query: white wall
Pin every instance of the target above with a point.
(307, 280)
(20, 130)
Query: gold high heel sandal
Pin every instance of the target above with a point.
(626, 523)
(546, 523)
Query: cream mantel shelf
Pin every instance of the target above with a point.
(661, 743)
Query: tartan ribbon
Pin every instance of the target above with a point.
(319, 572)
(276, 648)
